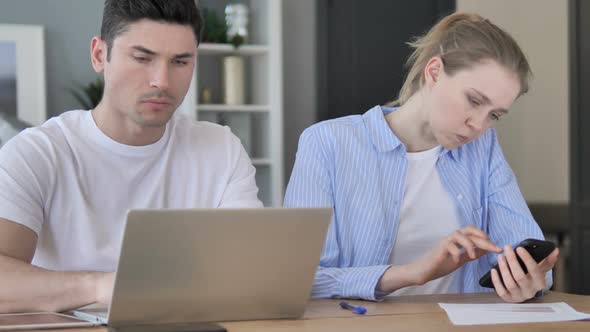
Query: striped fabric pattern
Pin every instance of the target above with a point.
(357, 166)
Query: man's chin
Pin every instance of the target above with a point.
(157, 121)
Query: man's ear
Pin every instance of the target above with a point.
(98, 53)
(433, 70)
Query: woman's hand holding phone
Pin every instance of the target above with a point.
(464, 245)
(516, 285)
(451, 253)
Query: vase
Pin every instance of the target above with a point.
(233, 80)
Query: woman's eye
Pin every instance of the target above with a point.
(473, 101)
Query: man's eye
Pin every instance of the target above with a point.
(141, 59)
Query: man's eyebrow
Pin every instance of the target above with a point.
(184, 55)
(150, 52)
(143, 49)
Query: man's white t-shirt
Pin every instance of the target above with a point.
(428, 215)
(72, 185)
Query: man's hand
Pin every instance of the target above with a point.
(105, 281)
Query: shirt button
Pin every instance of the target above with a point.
(459, 197)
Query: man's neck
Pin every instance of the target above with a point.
(120, 128)
(411, 125)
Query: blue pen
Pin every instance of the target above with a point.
(357, 309)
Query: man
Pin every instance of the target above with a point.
(67, 185)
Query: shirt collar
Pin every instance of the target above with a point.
(454, 153)
(383, 137)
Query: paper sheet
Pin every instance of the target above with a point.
(504, 313)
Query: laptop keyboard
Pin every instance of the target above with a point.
(101, 312)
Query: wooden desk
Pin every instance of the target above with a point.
(405, 313)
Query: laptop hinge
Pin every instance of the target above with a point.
(172, 327)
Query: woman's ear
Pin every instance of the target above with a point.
(98, 53)
(433, 70)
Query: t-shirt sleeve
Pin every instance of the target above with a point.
(25, 168)
(241, 190)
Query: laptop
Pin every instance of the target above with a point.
(40, 320)
(209, 265)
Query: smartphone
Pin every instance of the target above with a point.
(539, 249)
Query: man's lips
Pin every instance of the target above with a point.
(157, 101)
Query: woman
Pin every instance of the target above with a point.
(421, 192)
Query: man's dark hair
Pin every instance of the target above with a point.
(118, 14)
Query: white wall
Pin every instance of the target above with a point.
(69, 26)
(535, 135)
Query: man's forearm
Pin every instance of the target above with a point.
(25, 288)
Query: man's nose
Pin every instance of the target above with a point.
(159, 78)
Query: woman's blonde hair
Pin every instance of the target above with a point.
(463, 40)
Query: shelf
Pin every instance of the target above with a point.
(221, 49)
(233, 108)
(258, 120)
(261, 162)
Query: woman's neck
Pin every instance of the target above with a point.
(411, 125)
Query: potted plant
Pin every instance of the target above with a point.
(89, 95)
